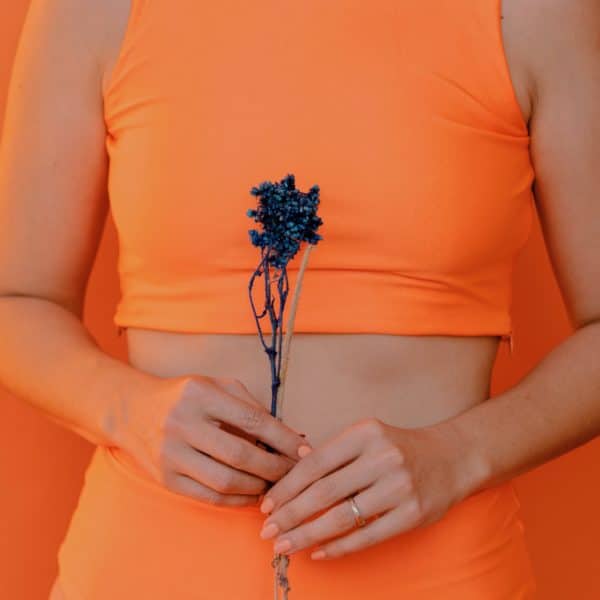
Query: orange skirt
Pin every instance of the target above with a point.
(130, 538)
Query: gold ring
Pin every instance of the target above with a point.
(358, 518)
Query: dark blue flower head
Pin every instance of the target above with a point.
(287, 216)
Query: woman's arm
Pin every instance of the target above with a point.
(556, 407)
(53, 204)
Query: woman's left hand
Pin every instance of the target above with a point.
(400, 479)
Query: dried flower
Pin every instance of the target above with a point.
(287, 217)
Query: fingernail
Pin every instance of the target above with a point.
(282, 546)
(267, 505)
(304, 450)
(269, 531)
(318, 554)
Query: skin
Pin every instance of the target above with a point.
(403, 422)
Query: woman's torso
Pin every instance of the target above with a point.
(336, 379)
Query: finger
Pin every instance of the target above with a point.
(236, 388)
(236, 452)
(323, 493)
(319, 462)
(216, 475)
(398, 520)
(255, 419)
(184, 485)
(375, 499)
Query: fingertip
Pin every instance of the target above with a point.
(305, 442)
(266, 505)
(304, 450)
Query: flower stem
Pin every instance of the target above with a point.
(289, 330)
(280, 561)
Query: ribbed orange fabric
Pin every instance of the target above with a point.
(403, 113)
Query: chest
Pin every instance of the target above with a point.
(418, 157)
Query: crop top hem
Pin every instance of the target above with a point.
(374, 327)
(156, 318)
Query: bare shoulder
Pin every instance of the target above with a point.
(64, 26)
(551, 41)
(115, 15)
(515, 31)
(83, 34)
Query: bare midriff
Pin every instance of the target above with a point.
(334, 380)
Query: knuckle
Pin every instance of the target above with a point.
(289, 516)
(307, 536)
(235, 455)
(299, 539)
(273, 469)
(194, 389)
(409, 482)
(238, 391)
(191, 387)
(224, 482)
(213, 497)
(371, 427)
(281, 465)
(313, 462)
(325, 490)
(190, 399)
(402, 483)
(231, 384)
(253, 418)
(342, 517)
(259, 487)
(394, 458)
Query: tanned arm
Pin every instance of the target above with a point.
(53, 204)
(556, 407)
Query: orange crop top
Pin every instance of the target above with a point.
(401, 111)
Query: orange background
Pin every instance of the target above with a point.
(42, 465)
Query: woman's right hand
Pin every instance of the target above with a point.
(196, 435)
